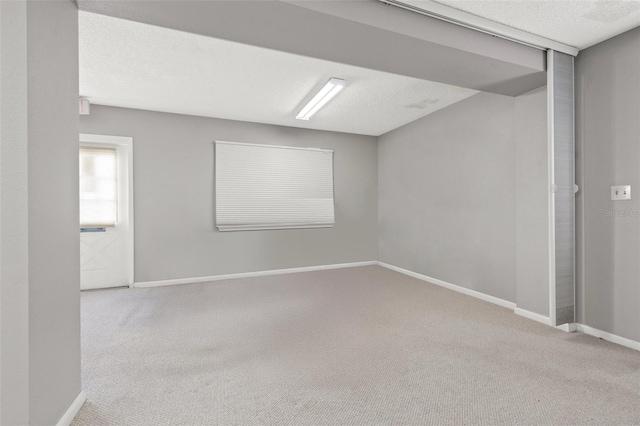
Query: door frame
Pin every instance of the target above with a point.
(126, 144)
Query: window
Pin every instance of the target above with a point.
(98, 183)
(272, 187)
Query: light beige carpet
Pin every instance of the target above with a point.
(356, 346)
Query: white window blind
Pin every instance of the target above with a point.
(98, 183)
(272, 187)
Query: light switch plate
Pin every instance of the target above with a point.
(622, 192)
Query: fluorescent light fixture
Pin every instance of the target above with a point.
(333, 86)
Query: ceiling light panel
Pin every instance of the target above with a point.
(331, 89)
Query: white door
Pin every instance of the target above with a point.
(106, 211)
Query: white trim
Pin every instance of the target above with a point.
(632, 344)
(551, 189)
(579, 208)
(73, 410)
(454, 16)
(575, 186)
(231, 228)
(459, 289)
(570, 327)
(264, 145)
(147, 284)
(532, 316)
(112, 140)
(127, 144)
(491, 299)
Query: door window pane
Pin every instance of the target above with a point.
(98, 187)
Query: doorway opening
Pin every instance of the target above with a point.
(106, 211)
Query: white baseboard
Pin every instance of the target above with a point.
(608, 336)
(73, 410)
(75, 407)
(518, 311)
(459, 289)
(532, 316)
(250, 274)
(571, 327)
(491, 299)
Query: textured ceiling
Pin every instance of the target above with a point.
(578, 23)
(134, 65)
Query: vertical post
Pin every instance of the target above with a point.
(14, 237)
(562, 180)
(39, 245)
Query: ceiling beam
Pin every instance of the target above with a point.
(477, 23)
(303, 31)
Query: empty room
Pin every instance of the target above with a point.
(319, 212)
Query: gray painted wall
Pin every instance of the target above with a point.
(608, 153)
(40, 246)
(468, 239)
(54, 246)
(14, 254)
(532, 202)
(174, 197)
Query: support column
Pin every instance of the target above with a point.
(562, 150)
(14, 285)
(39, 239)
